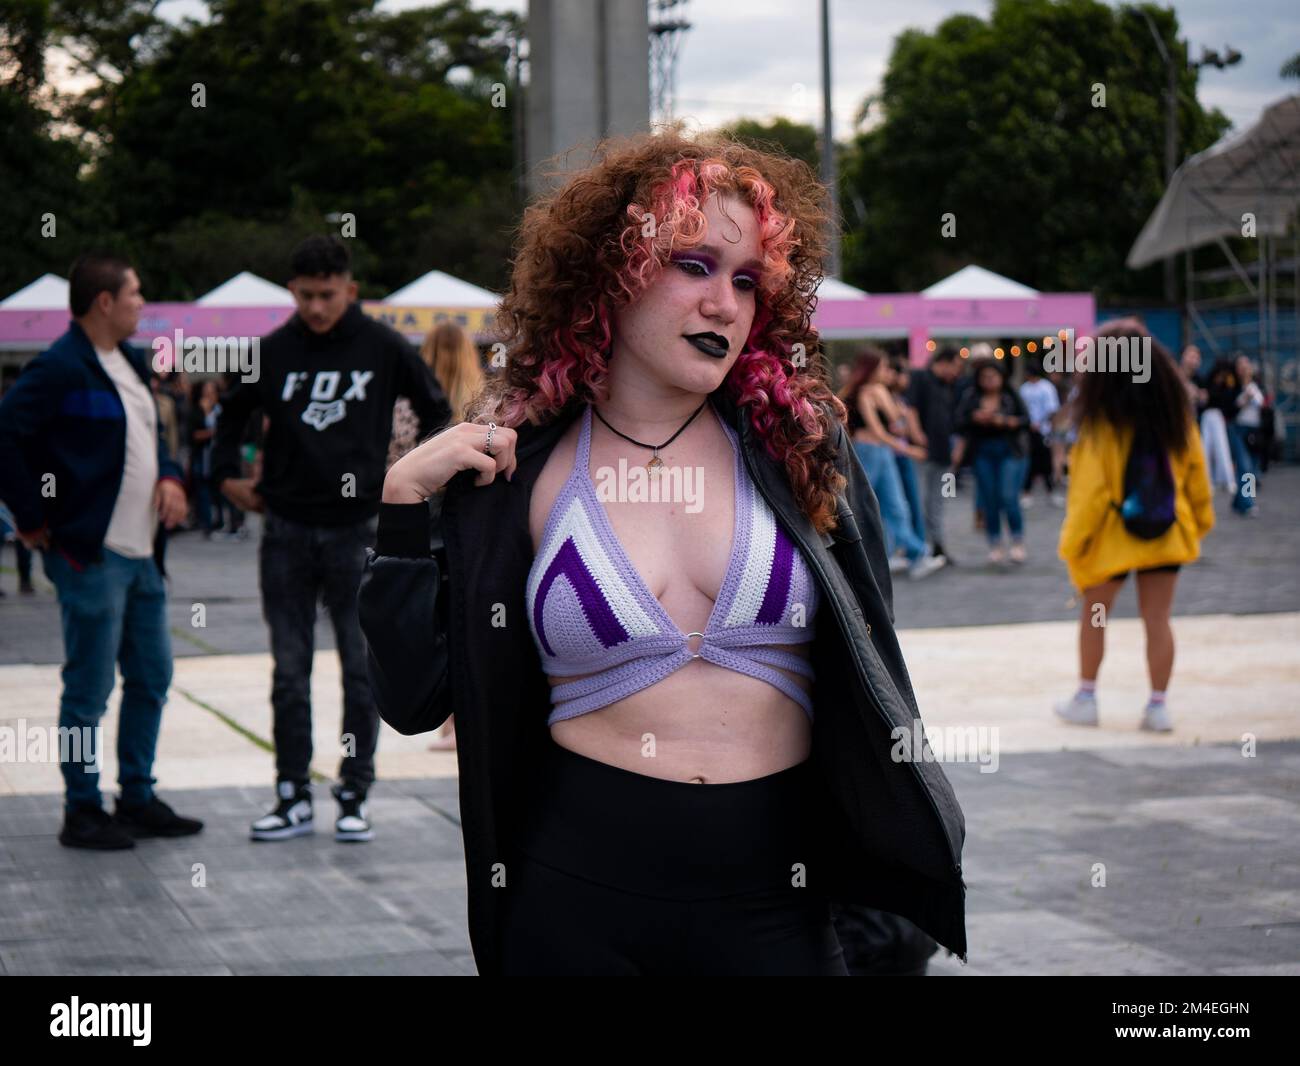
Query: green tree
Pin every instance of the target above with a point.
(43, 215)
(999, 123)
(310, 110)
(796, 139)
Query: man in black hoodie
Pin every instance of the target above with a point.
(326, 384)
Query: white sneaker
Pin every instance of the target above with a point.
(1155, 718)
(1077, 710)
(291, 816)
(1026, 502)
(1058, 500)
(926, 565)
(897, 564)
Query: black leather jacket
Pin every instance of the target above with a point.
(437, 646)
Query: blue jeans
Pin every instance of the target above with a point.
(912, 491)
(113, 612)
(881, 470)
(999, 474)
(1244, 461)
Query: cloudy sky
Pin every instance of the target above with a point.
(758, 58)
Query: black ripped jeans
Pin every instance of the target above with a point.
(299, 566)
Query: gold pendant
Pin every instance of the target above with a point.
(654, 464)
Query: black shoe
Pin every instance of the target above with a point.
(92, 827)
(352, 823)
(291, 817)
(154, 819)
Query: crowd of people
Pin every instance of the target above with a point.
(921, 431)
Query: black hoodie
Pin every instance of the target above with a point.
(329, 398)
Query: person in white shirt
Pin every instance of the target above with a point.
(89, 478)
(1041, 400)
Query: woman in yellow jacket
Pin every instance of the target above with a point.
(1095, 543)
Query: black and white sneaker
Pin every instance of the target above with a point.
(353, 823)
(291, 817)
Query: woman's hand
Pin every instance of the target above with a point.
(425, 470)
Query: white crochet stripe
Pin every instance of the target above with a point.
(576, 522)
(759, 553)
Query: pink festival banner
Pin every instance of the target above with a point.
(908, 315)
(920, 318)
(37, 329)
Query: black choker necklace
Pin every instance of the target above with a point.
(655, 462)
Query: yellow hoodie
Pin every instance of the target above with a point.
(1094, 543)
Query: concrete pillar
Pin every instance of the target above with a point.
(589, 77)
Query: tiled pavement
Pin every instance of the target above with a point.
(1200, 845)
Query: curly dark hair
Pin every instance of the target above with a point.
(585, 249)
(1158, 405)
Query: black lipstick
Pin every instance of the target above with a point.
(711, 344)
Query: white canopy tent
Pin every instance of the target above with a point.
(47, 293)
(247, 290)
(975, 283)
(436, 289)
(834, 289)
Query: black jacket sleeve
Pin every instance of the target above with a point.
(402, 603)
(236, 407)
(417, 383)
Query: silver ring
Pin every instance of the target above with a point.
(487, 444)
(696, 633)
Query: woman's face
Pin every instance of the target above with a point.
(689, 326)
(990, 380)
(1245, 372)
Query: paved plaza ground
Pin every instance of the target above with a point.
(1200, 843)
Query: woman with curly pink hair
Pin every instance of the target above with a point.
(665, 630)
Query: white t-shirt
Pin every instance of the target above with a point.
(134, 521)
(1041, 400)
(1250, 406)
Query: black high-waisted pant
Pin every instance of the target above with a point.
(615, 872)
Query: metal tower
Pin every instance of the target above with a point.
(667, 27)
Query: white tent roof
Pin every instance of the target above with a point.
(46, 293)
(246, 290)
(834, 289)
(976, 283)
(436, 289)
(1255, 171)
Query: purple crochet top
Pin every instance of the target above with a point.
(591, 612)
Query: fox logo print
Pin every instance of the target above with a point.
(324, 410)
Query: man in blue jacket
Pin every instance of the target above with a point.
(87, 474)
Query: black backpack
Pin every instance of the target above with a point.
(1148, 507)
